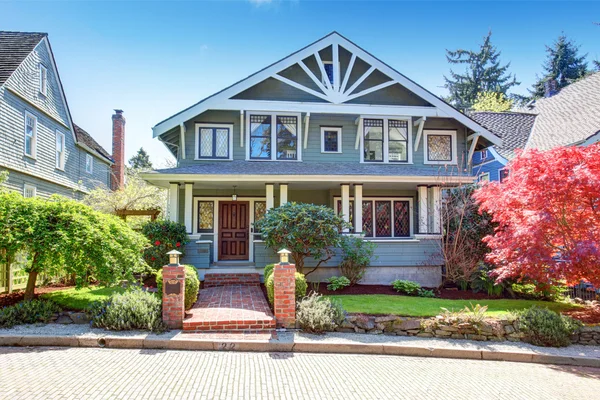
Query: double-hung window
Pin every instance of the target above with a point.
(60, 150)
(30, 134)
(383, 217)
(214, 141)
(386, 140)
(273, 136)
(89, 163)
(440, 147)
(43, 80)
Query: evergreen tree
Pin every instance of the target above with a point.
(483, 73)
(141, 161)
(563, 64)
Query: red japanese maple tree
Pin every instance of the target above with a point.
(548, 215)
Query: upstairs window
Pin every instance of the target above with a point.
(331, 139)
(214, 141)
(60, 150)
(440, 147)
(398, 140)
(484, 177)
(387, 140)
(29, 190)
(503, 174)
(373, 139)
(30, 135)
(279, 143)
(483, 154)
(43, 80)
(89, 163)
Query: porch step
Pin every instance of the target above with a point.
(224, 278)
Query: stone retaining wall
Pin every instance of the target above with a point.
(487, 330)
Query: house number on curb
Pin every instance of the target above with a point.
(173, 287)
(227, 346)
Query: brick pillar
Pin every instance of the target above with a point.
(118, 155)
(285, 295)
(173, 295)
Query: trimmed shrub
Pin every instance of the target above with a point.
(164, 236)
(27, 312)
(301, 287)
(268, 271)
(192, 285)
(134, 309)
(318, 314)
(406, 287)
(337, 282)
(544, 327)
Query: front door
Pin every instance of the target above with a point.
(234, 230)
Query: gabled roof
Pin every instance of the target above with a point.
(14, 48)
(513, 127)
(333, 93)
(569, 117)
(88, 141)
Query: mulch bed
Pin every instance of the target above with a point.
(8, 299)
(587, 315)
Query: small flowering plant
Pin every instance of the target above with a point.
(164, 236)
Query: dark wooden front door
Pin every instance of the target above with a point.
(234, 230)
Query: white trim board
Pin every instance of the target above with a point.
(334, 39)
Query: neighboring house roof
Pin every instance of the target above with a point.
(513, 127)
(14, 48)
(87, 140)
(569, 117)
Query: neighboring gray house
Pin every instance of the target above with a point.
(569, 117)
(331, 125)
(43, 150)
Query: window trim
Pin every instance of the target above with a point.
(386, 142)
(199, 125)
(453, 146)
(481, 175)
(91, 158)
(483, 154)
(60, 163)
(338, 129)
(274, 115)
(27, 186)
(373, 199)
(43, 81)
(33, 136)
(500, 174)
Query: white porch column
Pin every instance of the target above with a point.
(283, 193)
(173, 201)
(423, 209)
(358, 194)
(269, 194)
(346, 203)
(189, 187)
(436, 209)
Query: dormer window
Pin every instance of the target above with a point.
(43, 80)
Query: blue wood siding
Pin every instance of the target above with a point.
(489, 164)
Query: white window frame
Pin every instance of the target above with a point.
(43, 83)
(274, 116)
(483, 154)
(338, 129)
(88, 156)
(27, 187)
(482, 175)
(453, 145)
(325, 80)
(33, 137)
(60, 160)
(386, 143)
(392, 199)
(200, 125)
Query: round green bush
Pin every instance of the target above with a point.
(268, 271)
(301, 287)
(192, 285)
(544, 327)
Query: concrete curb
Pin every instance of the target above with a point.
(120, 342)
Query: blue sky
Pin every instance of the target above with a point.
(152, 59)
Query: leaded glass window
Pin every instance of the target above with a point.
(373, 139)
(331, 140)
(213, 142)
(350, 214)
(367, 210)
(439, 148)
(398, 140)
(287, 138)
(383, 219)
(386, 218)
(401, 218)
(260, 209)
(206, 214)
(260, 137)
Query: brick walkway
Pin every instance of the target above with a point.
(76, 373)
(232, 308)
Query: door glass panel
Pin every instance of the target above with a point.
(205, 216)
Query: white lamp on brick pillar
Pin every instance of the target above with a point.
(284, 256)
(174, 257)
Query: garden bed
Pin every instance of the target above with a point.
(8, 299)
(389, 290)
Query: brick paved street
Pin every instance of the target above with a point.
(79, 373)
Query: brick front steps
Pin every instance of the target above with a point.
(232, 309)
(224, 279)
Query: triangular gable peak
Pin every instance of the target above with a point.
(335, 76)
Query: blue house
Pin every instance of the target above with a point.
(332, 125)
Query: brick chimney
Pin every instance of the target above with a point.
(118, 152)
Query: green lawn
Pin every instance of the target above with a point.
(80, 299)
(424, 307)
